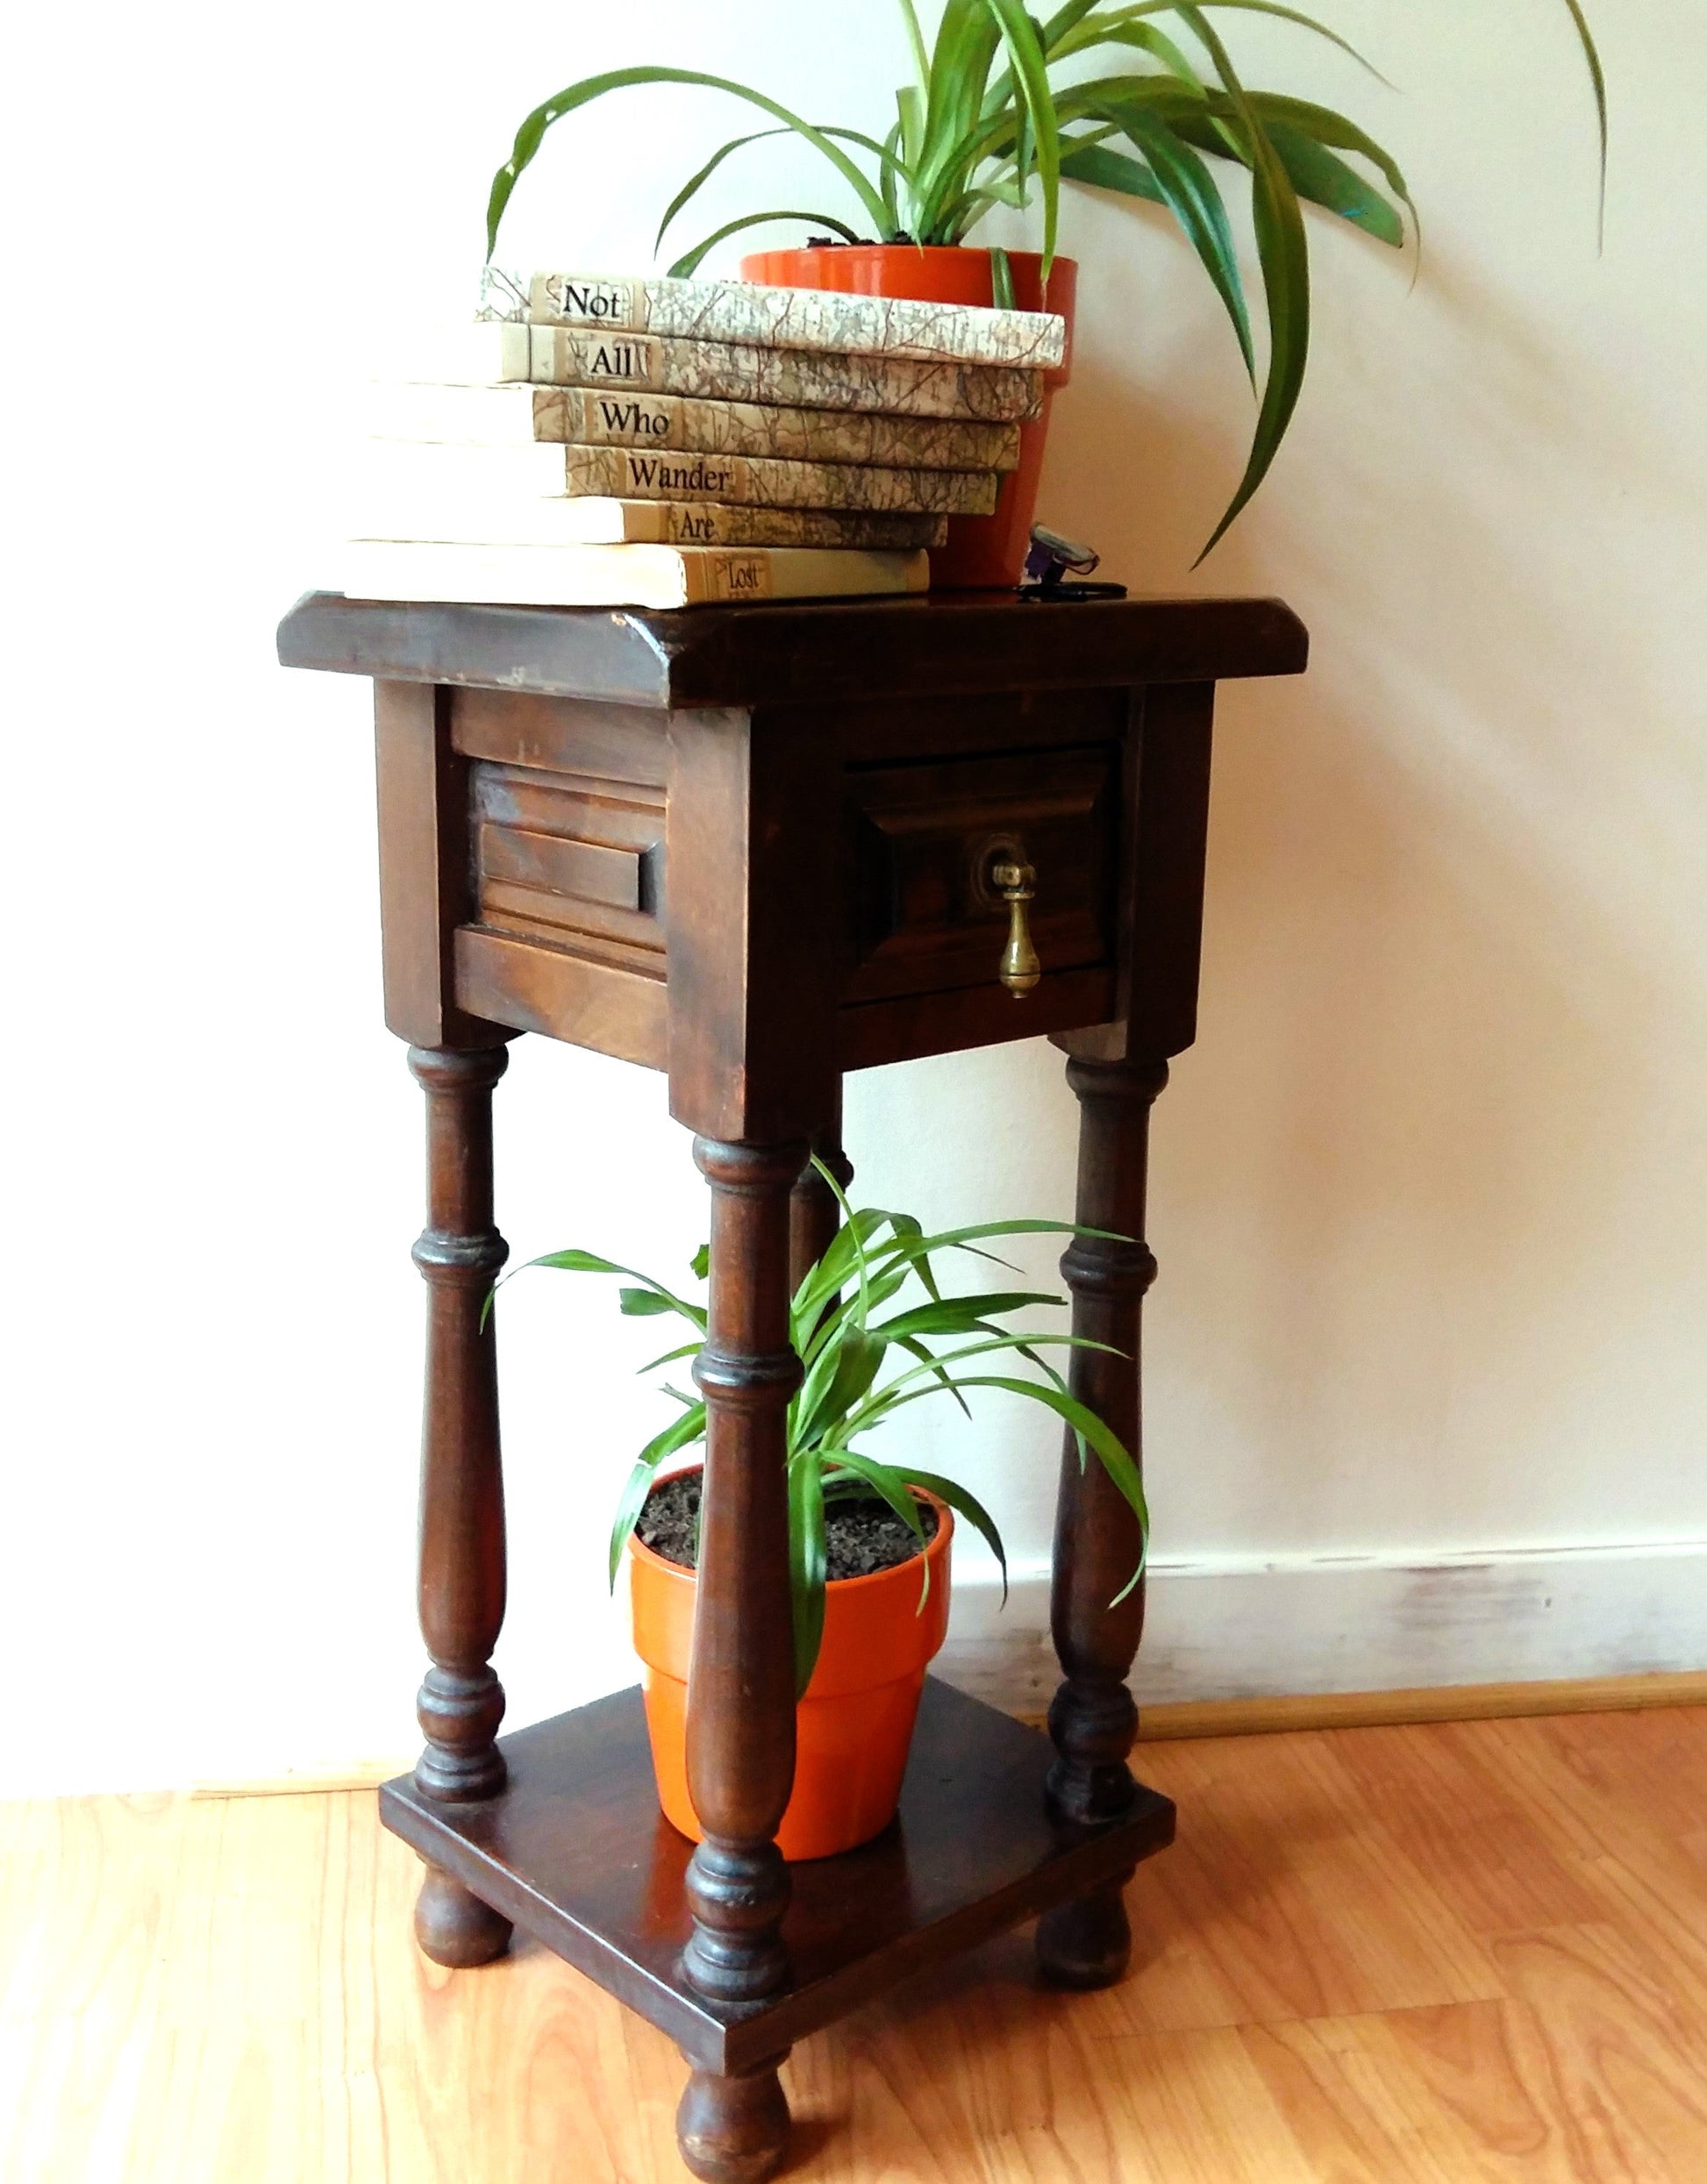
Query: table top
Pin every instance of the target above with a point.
(823, 651)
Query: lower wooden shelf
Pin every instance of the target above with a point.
(576, 1853)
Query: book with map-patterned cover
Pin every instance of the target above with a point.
(428, 472)
(513, 415)
(500, 350)
(778, 317)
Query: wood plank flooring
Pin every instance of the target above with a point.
(1475, 1951)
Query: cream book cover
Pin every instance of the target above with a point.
(619, 576)
(593, 520)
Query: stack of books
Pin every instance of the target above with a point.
(666, 443)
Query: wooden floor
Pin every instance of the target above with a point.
(1473, 1952)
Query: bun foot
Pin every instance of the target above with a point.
(455, 1928)
(1087, 1943)
(734, 2130)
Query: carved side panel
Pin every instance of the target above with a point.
(576, 863)
(564, 835)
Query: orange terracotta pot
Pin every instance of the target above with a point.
(983, 553)
(853, 1728)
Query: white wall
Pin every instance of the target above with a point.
(1428, 1191)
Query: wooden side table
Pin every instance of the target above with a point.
(757, 848)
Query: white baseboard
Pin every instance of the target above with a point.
(1244, 1629)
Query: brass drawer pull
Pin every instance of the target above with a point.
(1020, 968)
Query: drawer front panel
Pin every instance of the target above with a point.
(926, 915)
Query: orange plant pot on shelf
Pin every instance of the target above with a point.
(854, 1725)
(983, 553)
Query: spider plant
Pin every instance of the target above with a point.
(983, 121)
(866, 1356)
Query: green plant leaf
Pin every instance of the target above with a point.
(915, 1249)
(885, 183)
(909, 1232)
(1324, 125)
(642, 1303)
(1324, 182)
(888, 1482)
(960, 1314)
(1001, 279)
(1281, 14)
(889, 165)
(857, 1232)
(963, 1504)
(1065, 20)
(1031, 72)
(531, 134)
(807, 1561)
(1050, 37)
(839, 1379)
(882, 1480)
(1110, 1449)
(910, 111)
(1189, 191)
(690, 262)
(700, 1264)
(968, 38)
(696, 183)
(1147, 37)
(1283, 252)
(1597, 79)
(896, 1395)
(1103, 169)
(588, 1262)
(914, 1348)
(967, 42)
(821, 1282)
(670, 1357)
(1324, 178)
(679, 1434)
(916, 40)
(811, 1339)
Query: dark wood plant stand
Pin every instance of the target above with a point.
(757, 848)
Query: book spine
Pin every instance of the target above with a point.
(788, 318)
(718, 524)
(564, 356)
(722, 576)
(726, 579)
(742, 428)
(625, 474)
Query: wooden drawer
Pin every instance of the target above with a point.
(923, 838)
(564, 925)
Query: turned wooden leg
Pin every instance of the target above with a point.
(741, 1697)
(1093, 1720)
(462, 1561)
(455, 1928)
(733, 2129)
